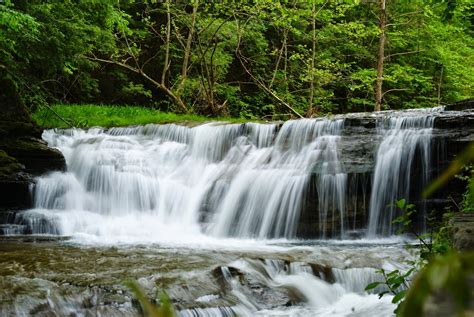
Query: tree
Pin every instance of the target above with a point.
(261, 59)
(380, 55)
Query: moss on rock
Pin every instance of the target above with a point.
(9, 165)
(22, 153)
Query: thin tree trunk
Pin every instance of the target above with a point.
(285, 61)
(313, 57)
(255, 79)
(187, 50)
(381, 56)
(439, 85)
(277, 65)
(206, 78)
(167, 44)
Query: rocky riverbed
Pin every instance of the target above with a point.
(43, 276)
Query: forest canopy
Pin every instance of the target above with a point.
(250, 59)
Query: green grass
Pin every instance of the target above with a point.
(90, 115)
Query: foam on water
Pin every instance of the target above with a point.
(345, 297)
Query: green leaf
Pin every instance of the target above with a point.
(400, 203)
(399, 297)
(372, 285)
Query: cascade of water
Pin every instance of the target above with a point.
(230, 180)
(264, 199)
(244, 180)
(345, 289)
(403, 137)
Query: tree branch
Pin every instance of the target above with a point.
(403, 53)
(258, 82)
(157, 84)
(394, 89)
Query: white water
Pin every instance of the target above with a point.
(174, 183)
(169, 181)
(344, 297)
(402, 138)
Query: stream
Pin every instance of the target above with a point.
(250, 219)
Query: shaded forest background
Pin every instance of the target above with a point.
(249, 59)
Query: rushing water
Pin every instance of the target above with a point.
(403, 136)
(237, 277)
(212, 214)
(162, 182)
(167, 182)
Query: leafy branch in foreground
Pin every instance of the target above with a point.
(149, 309)
(395, 283)
(450, 273)
(430, 244)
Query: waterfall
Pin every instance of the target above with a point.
(403, 138)
(252, 180)
(239, 180)
(265, 197)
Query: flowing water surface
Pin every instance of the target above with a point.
(225, 278)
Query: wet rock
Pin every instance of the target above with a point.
(461, 105)
(9, 165)
(462, 231)
(22, 153)
(35, 155)
(355, 213)
(15, 189)
(218, 274)
(455, 120)
(261, 293)
(323, 272)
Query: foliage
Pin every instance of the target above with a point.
(449, 273)
(462, 160)
(165, 309)
(240, 59)
(396, 282)
(434, 242)
(467, 204)
(430, 245)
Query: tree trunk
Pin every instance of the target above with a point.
(277, 65)
(310, 111)
(167, 44)
(439, 85)
(285, 47)
(187, 49)
(381, 56)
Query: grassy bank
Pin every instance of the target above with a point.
(85, 116)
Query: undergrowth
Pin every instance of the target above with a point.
(90, 115)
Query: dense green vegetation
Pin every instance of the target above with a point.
(85, 116)
(251, 59)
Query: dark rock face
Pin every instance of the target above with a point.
(22, 152)
(35, 155)
(461, 105)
